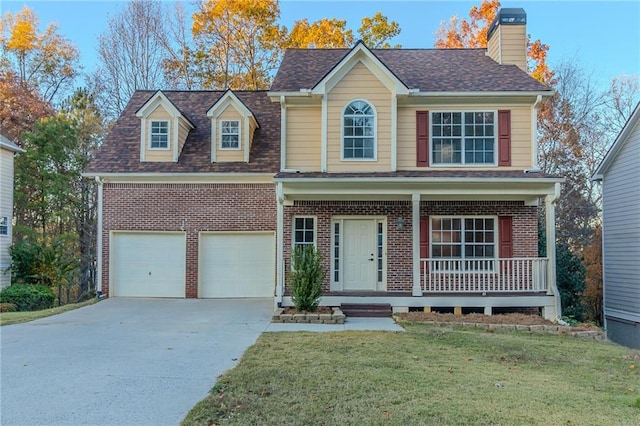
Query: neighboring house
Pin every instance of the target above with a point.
(620, 177)
(7, 150)
(412, 171)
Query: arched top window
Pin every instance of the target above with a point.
(359, 131)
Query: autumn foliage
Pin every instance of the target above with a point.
(472, 33)
(593, 279)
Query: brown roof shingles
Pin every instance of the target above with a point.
(120, 152)
(428, 70)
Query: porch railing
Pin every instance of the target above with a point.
(527, 274)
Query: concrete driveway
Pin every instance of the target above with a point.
(123, 361)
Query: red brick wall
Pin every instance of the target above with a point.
(525, 219)
(189, 207)
(399, 244)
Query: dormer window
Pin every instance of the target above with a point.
(159, 134)
(359, 131)
(230, 134)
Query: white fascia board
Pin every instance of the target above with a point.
(481, 94)
(183, 177)
(275, 96)
(360, 53)
(421, 180)
(229, 98)
(10, 146)
(624, 134)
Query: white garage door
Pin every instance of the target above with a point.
(148, 264)
(237, 265)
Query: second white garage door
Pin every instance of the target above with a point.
(237, 264)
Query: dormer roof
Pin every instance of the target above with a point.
(160, 99)
(229, 98)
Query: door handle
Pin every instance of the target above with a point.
(371, 259)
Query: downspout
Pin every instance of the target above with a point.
(534, 133)
(100, 183)
(550, 206)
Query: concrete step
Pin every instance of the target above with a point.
(377, 310)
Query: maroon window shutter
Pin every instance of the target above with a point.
(504, 138)
(505, 229)
(424, 240)
(422, 138)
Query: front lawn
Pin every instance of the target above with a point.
(427, 375)
(7, 318)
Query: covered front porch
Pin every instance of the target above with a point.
(423, 241)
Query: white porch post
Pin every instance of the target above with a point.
(415, 226)
(550, 216)
(100, 182)
(279, 244)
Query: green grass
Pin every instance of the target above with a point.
(7, 318)
(427, 375)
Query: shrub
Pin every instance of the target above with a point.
(28, 297)
(7, 307)
(306, 278)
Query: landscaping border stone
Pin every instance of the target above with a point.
(551, 329)
(335, 317)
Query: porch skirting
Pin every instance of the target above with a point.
(402, 301)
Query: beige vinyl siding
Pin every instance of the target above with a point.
(158, 154)
(621, 220)
(520, 133)
(513, 40)
(304, 139)
(183, 132)
(229, 155)
(6, 209)
(359, 83)
(493, 45)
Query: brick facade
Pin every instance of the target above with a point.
(185, 207)
(399, 275)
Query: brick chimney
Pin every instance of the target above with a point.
(507, 38)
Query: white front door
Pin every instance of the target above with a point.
(359, 261)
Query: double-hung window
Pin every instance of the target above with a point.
(4, 225)
(159, 134)
(467, 243)
(304, 231)
(358, 132)
(230, 134)
(463, 137)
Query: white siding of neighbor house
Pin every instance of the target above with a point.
(6, 209)
(621, 219)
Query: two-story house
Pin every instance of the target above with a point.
(413, 171)
(8, 150)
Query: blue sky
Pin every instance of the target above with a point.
(603, 36)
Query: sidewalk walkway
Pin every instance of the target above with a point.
(369, 324)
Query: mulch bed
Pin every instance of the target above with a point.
(319, 310)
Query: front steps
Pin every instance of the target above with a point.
(377, 310)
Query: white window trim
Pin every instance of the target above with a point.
(8, 225)
(239, 147)
(151, 121)
(463, 164)
(293, 229)
(375, 133)
(496, 239)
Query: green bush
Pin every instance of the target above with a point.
(28, 297)
(306, 278)
(7, 307)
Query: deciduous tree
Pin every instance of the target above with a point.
(376, 32)
(20, 107)
(131, 54)
(237, 43)
(43, 61)
(472, 33)
(593, 278)
(323, 33)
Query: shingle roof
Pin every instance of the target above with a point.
(429, 70)
(120, 152)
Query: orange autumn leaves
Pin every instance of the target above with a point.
(472, 33)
